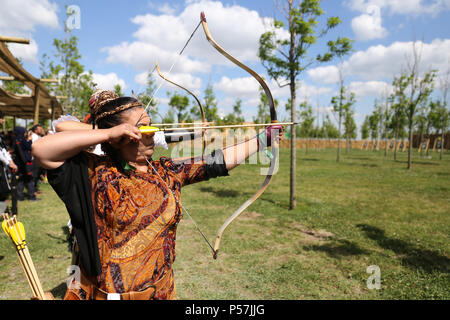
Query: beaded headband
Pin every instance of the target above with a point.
(101, 98)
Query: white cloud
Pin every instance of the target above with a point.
(368, 26)
(382, 63)
(161, 37)
(108, 81)
(166, 9)
(143, 56)
(387, 61)
(25, 52)
(186, 80)
(244, 88)
(369, 88)
(326, 75)
(406, 7)
(19, 18)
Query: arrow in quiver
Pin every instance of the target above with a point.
(16, 232)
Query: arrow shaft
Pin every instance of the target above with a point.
(232, 126)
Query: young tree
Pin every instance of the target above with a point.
(148, 99)
(349, 127)
(307, 121)
(398, 105)
(234, 117)
(444, 113)
(420, 87)
(365, 128)
(385, 118)
(75, 84)
(374, 122)
(118, 90)
(179, 104)
(329, 130)
(210, 104)
(341, 106)
(263, 115)
(286, 58)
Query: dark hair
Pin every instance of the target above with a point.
(113, 120)
(2, 115)
(33, 128)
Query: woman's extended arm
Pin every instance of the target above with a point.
(52, 150)
(71, 125)
(238, 153)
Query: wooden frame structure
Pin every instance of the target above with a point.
(40, 104)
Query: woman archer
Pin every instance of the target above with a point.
(125, 206)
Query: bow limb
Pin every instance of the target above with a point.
(273, 117)
(202, 111)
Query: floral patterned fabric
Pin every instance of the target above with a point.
(137, 216)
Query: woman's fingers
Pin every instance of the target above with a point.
(123, 134)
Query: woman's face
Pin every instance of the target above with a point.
(138, 151)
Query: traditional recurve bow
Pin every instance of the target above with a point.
(273, 118)
(274, 143)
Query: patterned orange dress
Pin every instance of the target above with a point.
(137, 216)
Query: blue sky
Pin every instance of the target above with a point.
(121, 40)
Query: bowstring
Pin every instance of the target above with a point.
(171, 67)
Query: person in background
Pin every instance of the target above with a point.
(24, 161)
(6, 162)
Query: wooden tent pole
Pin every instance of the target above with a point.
(37, 91)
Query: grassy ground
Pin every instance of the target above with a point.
(366, 210)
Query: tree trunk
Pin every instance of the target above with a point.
(292, 86)
(293, 201)
(410, 128)
(395, 141)
(339, 138)
(347, 147)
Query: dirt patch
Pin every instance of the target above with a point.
(251, 215)
(313, 235)
(321, 234)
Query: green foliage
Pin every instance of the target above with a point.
(118, 90)
(263, 115)
(148, 99)
(210, 104)
(306, 120)
(365, 128)
(13, 86)
(342, 106)
(234, 117)
(179, 104)
(285, 59)
(374, 124)
(328, 129)
(349, 124)
(75, 82)
(398, 105)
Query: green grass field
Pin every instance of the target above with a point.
(366, 210)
